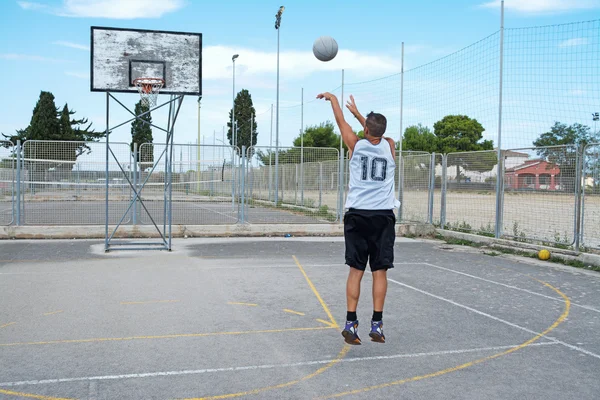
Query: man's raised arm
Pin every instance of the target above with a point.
(348, 135)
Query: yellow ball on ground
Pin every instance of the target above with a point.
(544, 254)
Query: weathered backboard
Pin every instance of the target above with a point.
(118, 56)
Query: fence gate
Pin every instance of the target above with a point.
(590, 212)
(63, 183)
(204, 185)
(8, 185)
(300, 185)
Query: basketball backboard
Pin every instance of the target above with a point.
(118, 56)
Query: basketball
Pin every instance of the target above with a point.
(544, 254)
(325, 48)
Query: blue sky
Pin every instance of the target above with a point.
(45, 46)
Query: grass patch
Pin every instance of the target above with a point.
(522, 253)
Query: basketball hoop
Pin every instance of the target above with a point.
(149, 89)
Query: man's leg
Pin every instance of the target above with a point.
(353, 289)
(382, 251)
(356, 258)
(379, 289)
(350, 332)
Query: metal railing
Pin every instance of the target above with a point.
(8, 185)
(548, 194)
(590, 208)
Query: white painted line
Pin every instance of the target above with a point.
(214, 211)
(510, 286)
(589, 308)
(267, 366)
(579, 349)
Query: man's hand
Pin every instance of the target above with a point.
(351, 105)
(327, 96)
(348, 135)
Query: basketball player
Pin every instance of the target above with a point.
(369, 223)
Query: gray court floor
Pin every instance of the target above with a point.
(190, 213)
(259, 318)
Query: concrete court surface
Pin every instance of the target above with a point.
(259, 318)
(190, 213)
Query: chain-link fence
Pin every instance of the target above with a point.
(8, 166)
(415, 186)
(204, 184)
(292, 184)
(541, 194)
(545, 189)
(64, 182)
(470, 191)
(590, 212)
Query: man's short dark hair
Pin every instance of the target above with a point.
(376, 123)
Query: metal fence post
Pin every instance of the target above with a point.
(400, 186)
(500, 171)
(302, 150)
(243, 184)
(444, 186)
(499, 196)
(579, 182)
(19, 159)
(431, 188)
(400, 166)
(296, 185)
(320, 183)
(233, 167)
(135, 187)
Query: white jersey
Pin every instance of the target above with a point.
(372, 182)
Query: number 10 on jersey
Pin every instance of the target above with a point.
(378, 167)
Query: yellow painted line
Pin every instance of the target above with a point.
(329, 324)
(54, 312)
(31, 396)
(182, 335)
(338, 358)
(560, 319)
(9, 324)
(149, 302)
(293, 312)
(243, 304)
(314, 289)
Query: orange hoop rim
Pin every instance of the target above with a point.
(149, 85)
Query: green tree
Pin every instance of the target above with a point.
(459, 133)
(55, 128)
(245, 120)
(315, 137)
(419, 138)
(568, 138)
(322, 135)
(141, 132)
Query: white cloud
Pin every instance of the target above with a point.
(27, 57)
(573, 42)
(537, 6)
(297, 64)
(26, 5)
(114, 9)
(72, 45)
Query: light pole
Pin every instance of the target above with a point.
(277, 25)
(233, 133)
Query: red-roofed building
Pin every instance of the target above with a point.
(533, 174)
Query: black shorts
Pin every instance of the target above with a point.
(370, 234)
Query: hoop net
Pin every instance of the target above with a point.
(149, 89)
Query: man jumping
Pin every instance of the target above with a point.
(369, 222)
